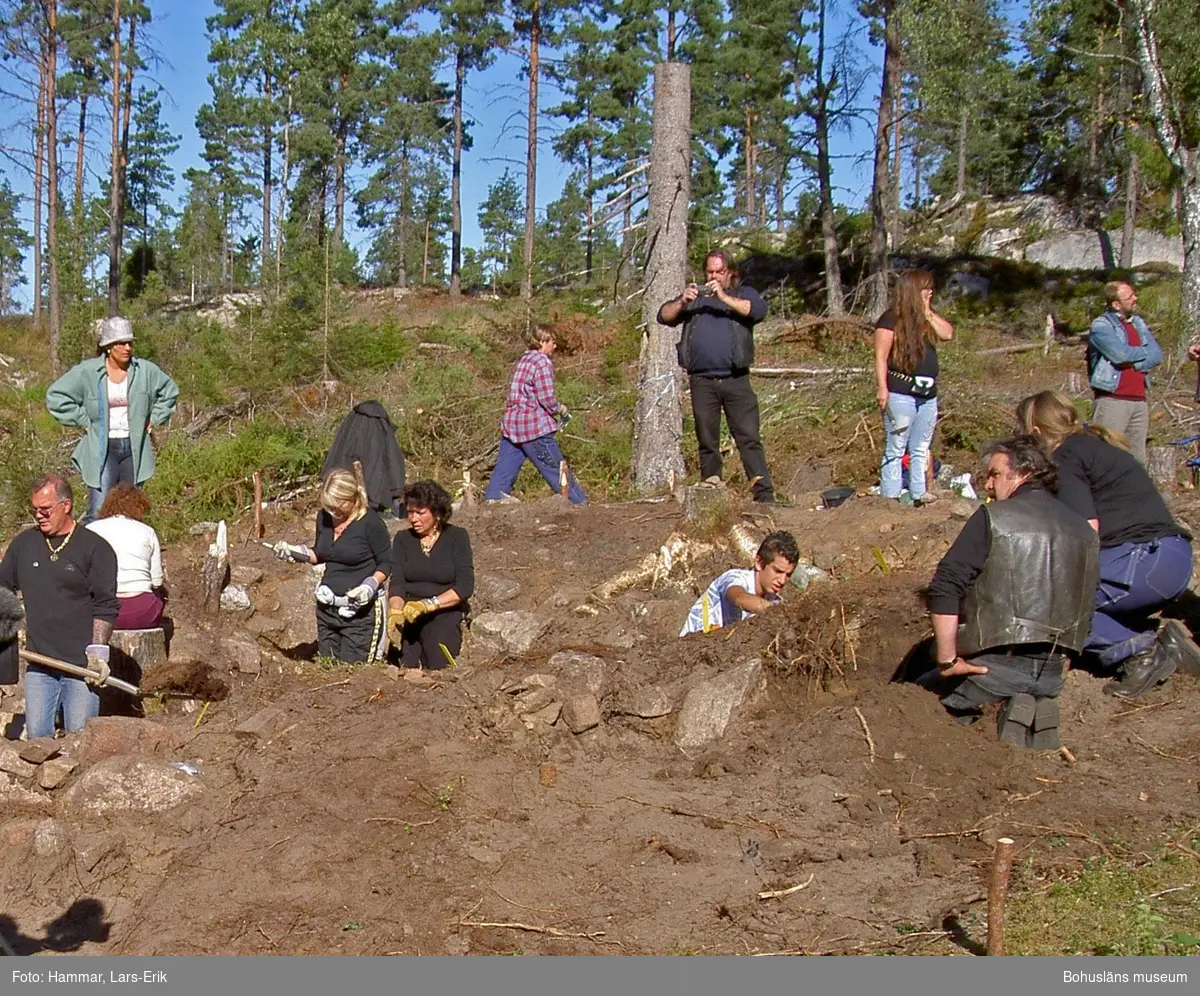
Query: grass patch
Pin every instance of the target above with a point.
(1110, 909)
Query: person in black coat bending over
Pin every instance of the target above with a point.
(433, 575)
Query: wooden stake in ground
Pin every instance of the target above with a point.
(214, 573)
(998, 894)
(658, 419)
(258, 496)
(564, 479)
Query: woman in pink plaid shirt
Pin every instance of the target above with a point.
(528, 427)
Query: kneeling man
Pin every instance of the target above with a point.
(1013, 597)
(746, 591)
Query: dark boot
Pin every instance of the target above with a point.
(1142, 672)
(1178, 646)
(1045, 725)
(1016, 720)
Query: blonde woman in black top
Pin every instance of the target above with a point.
(352, 542)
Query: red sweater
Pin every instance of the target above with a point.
(1132, 385)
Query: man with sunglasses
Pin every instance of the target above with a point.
(717, 349)
(68, 578)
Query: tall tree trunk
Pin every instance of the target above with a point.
(339, 173)
(658, 418)
(748, 165)
(79, 209)
(283, 189)
(780, 177)
(114, 177)
(960, 181)
(460, 73)
(52, 179)
(625, 267)
(590, 245)
(895, 186)
(322, 204)
(1128, 229)
(916, 147)
(535, 44)
(671, 38)
(268, 151)
(1172, 132)
(425, 257)
(877, 280)
(835, 302)
(402, 263)
(39, 168)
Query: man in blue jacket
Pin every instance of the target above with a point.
(1121, 351)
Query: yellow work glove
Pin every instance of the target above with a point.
(414, 610)
(395, 626)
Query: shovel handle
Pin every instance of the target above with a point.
(77, 672)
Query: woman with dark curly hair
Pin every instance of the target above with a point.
(906, 370)
(140, 583)
(433, 575)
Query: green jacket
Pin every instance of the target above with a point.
(80, 398)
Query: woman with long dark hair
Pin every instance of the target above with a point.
(906, 371)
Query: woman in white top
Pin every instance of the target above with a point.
(140, 586)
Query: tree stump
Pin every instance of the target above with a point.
(134, 650)
(214, 574)
(1163, 464)
(1075, 383)
(703, 502)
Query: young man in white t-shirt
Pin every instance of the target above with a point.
(746, 591)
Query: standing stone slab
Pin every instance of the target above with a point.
(709, 706)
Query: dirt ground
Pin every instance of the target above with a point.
(399, 816)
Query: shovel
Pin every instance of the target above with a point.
(78, 672)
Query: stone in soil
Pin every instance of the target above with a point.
(707, 708)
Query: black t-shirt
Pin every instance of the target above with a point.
(1100, 481)
(361, 550)
(448, 565)
(922, 382)
(62, 596)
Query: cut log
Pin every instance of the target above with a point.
(808, 371)
(214, 574)
(1163, 464)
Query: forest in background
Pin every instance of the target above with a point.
(1082, 99)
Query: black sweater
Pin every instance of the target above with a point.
(361, 550)
(62, 597)
(1100, 481)
(449, 565)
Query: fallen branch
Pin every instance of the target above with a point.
(973, 832)
(1023, 347)
(397, 819)
(780, 893)
(532, 929)
(1162, 753)
(808, 371)
(676, 811)
(1064, 832)
(1144, 708)
(866, 729)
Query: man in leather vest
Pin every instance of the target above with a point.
(1013, 597)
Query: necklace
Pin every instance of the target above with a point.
(427, 542)
(56, 550)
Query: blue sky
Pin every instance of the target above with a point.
(495, 100)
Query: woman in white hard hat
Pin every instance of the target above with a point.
(117, 398)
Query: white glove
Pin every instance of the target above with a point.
(296, 552)
(364, 594)
(97, 660)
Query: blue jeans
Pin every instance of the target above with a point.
(908, 424)
(118, 466)
(1136, 579)
(46, 691)
(545, 456)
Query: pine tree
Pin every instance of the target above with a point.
(500, 217)
(471, 33)
(150, 145)
(14, 240)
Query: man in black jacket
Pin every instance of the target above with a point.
(716, 349)
(1013, 596)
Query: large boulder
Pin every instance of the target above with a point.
(1090, 249)
(130, 784)
(511, 632)
(708, 707)
(493, 589)
(583, 671)
(111, 736)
